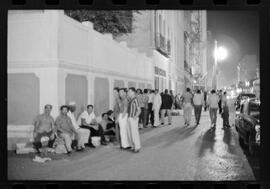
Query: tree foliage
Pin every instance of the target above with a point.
(115, 22)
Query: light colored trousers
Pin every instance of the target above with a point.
(123, 125)
(67, 140)
(213, 115)
(133, 133)
(187, 112)
(163, 111)
(156, 117)
(82, 136)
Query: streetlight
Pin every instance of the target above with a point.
(220, 53)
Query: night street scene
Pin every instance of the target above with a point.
(133, 95)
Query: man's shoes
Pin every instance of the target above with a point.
(90, 145)
(136, 151)
(80, 149)
(69, 152)
(127, 148)
(169, 124)
(104, 143)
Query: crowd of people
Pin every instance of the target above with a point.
(132, 110)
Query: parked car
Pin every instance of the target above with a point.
(241, 98)
(247, 124)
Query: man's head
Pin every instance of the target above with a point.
(139, 91)
(47, 109)
(225, 93)
(122, 92)
(115, 91)
(188, 89)
(90, 108)
(145, 91)
(105, 116)
(72, 106)
(213, 91)
(156, 91)
(131, 92)
(152, 91)
(166, 91)
(110, 113)
(64, 109)
(198, 91)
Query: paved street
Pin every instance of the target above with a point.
(168, 153)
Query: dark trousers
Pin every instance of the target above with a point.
(94, 132)
(141, 116)
(197, 112)
(145, 116)
(225, 116)
(37, 144)
(219, 107)
(150, 114)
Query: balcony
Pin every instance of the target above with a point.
(163, 45)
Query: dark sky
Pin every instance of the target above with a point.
(238, 31)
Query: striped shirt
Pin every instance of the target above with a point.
(133, 107)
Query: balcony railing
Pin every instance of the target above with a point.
(163, 45)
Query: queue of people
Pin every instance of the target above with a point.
(132, 110)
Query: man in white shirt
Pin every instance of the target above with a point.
(212, 101)
(82, 135)
(156, 107)
(198, 101)
(87, 120)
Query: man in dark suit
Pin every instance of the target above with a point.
(166, 107)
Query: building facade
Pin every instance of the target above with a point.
(54, 59)
(160, 34)
(195, 48)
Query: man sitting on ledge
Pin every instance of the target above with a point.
(44, 126)
(108, 125)
(65, 128)
(87, 120)
(82, 135)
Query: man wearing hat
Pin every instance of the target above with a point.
(82, 135)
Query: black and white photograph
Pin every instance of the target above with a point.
(105, 95)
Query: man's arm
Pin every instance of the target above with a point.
(84, 122)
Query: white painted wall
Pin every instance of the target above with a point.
(51, 45)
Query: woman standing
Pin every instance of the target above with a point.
(225, 110)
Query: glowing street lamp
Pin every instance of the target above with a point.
(220, 53)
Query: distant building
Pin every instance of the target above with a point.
(247, 68)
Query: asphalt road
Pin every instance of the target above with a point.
(171, 152)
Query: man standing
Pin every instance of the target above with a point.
(213, 100)
(123, 120)
(150, 116)
(198, 101)
(205, 101)
(219, 102)
(134, 111)
(187, 103)
(87, 120)
(156, 107)
(144, 109)
(44, 126)
(166, 107)
(116, 110)
(82, 135)
(225, 110)
(65, 128)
